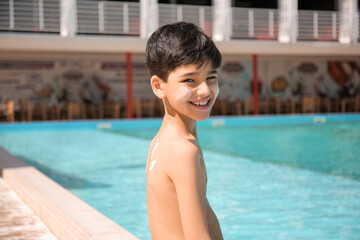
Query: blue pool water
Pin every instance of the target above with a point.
(269, 178)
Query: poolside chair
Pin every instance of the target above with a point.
(8, 111)
(144, 107)
(148, 107)
(279, 106)
(159, 108)
(74, 110)
(222, 106)
(357, 103)
(215, 110)
(25, 110)
(91, 111)
(274, 105)
(238, 107)
(324, 105)
(227, 107)
(317, 104)
(39, 111)
(249, 105)
(330, 105)
(137, 108)
(54, 112)
(110, 109)
(308, 104)
(264, 105)
(348, 104)
(335, 105)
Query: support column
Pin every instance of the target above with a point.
(349, 23)
(41, 14)
(255, 85)
(129, 95)
(288, 21)
(149, 14)
(11, 15)
(222, 20)
(68, 18)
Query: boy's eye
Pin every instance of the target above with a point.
(212, 78)
(188, 80)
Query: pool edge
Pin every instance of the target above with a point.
(66, 216)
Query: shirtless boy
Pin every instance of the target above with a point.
(182, 61)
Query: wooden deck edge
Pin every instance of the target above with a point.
(66, 216)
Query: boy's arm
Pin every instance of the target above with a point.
(185, 172)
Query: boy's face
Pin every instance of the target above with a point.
(191, 91)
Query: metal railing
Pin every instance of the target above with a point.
(30, 15)
(123, 18)
(255, 23)
(105, 17)
(318, 25)
(199, 15)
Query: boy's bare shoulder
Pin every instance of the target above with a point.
(180, 150)
(180, 144)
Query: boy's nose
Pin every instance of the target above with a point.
(203, 90)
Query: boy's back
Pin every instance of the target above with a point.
(178, 160)
(163, 203)
(182, 61)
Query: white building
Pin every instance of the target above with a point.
(295, 51)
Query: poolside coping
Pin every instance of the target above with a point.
(66, 215)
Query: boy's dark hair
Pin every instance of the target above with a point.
(173, 45)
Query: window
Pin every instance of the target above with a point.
(188, 2)
(255, 3)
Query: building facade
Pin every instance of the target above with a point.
(59, 51)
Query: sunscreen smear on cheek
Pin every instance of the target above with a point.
(182, 94)
(215, 89)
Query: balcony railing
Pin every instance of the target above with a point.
(123, 18)
(318, 25)
(119, 18)
(199, 15)
(30, 15)
(255, 23)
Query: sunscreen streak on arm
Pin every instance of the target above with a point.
(153, 162)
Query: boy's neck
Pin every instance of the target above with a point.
(185, 125)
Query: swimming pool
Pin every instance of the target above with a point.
(269, 177)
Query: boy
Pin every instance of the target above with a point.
(182, 61)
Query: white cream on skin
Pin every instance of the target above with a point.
(215, 90)
(153, 162)
(182, 94)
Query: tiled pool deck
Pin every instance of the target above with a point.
(64, 214)
(17, 221)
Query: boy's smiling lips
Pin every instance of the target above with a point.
(202, 104)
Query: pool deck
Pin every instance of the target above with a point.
(17, 221)
(64, 214)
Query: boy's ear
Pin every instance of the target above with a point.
(157, 85)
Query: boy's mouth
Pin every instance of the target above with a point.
(202, 105)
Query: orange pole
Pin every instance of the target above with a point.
(255, 85)
(129, 86)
